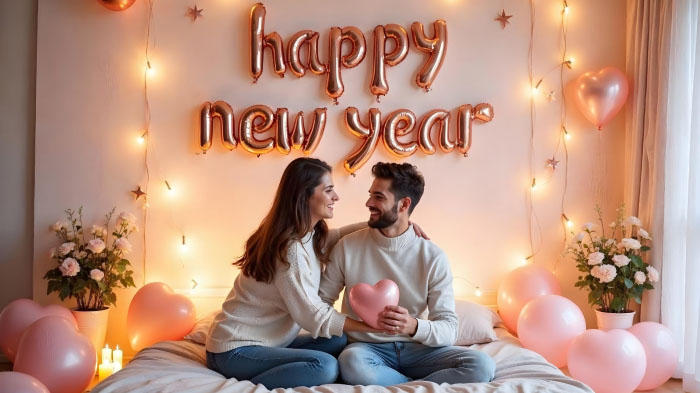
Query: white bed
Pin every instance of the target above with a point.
(179, 366)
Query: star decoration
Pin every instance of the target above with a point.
(138, 193)
(194, 13)
(503, 18)
(550, 96)
(552, 163)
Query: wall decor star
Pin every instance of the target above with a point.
(552, 163)
(194, 13)
(550, 96)
(138, 193)
(503, 18)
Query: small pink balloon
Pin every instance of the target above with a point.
(156, 313)
(600, 95)
(661, 353)
(11, 381)
(548, 324)
(18, 316)
(608, 362)
(54, 352)
(519, 287)
(368, 301)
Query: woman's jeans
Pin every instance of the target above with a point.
(304, 362)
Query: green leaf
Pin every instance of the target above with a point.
(637, 261)
(645, 248)
(629, 283)
(617, 304)
(638, 299)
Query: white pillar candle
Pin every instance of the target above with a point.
(105, 371)
(117, 356)
(107, 355)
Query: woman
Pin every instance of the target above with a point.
(254, 337)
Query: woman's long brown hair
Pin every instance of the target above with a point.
(288, 220)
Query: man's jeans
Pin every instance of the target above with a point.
(304, 362)
(394, 363)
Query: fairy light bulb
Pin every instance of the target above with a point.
(477, 292)
(566, 8)
(183, 246)
(171, 190)
(533, 186)
(569, 223)
(142, 138)
(567, 135)
(150, 70)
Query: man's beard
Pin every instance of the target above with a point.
(386, 219)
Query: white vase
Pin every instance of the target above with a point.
(93, 324)
(611, 320)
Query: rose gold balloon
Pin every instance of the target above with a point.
(293, 48)
(379, 85)
(223, 111)
(334, 80)
(369, 135)
(599, 96)
(399, 123)
(317, 127)
(466, 114)
(116, 5)
(436, 47)
(274, 42)
(282, 135)
(249, 127)
(315, 65)
(442, 118)
(299, 131)
(12, 381)
(359, 46)
(256, 33)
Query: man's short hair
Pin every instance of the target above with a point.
(406, 181)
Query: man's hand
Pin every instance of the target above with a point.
(395, 320)
(419, 231)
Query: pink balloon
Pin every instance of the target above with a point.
(599, 96)
(157, 314)
(54, 352)
(18, 316)
(661, 353)
(368, 301)
(548, 324)
(11, 381)
(519, 287)
(608, 362)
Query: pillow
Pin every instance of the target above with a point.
(476, 323)
(200, 331)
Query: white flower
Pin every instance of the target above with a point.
(640, 277)
(126, 218)
(621, 260)
(613, 224)
(587, 226)
(609, 242)
(596, 258)
(579, 237)
(52, 252)
(81, 254)
(604, 273)
(632, 220)
(70, 235)
(69, 267)
(653, 274)
(65, 248)
(596, 239)
(58, 226)
(96, 246)
(631, 244)
(644, 234)
(123, 245)
(98, 230)
(98, 275)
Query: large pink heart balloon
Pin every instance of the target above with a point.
(608, 362)
(54, 352)
(600, 95)
(11, 381)
(548, 324)
(368, 301)
(519, 287)
(661, 353)
(157, 314)
(19, 315)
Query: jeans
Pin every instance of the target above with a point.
(389, 364)
(304, 362)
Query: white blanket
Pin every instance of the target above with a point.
(179, 366)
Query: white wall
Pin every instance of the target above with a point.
(90, 110)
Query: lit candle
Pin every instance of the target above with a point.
(105, 371)
(107, 355)
(116, 367)
(117, 359)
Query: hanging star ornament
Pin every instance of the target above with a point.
(550, 96)
(503, 18)
(194, 13)
(138, 193)
(552, 163)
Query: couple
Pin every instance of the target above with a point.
(294, 268)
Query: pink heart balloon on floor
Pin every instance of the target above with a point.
(608, 362)
(157, 314)
(548, 324)
(661, 353)
(368, 301)
(519, 287)
(11, 381)
(600, 95)
(18, 316)
(54, 352)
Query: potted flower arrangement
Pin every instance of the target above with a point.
(612, 267)
(89, 268)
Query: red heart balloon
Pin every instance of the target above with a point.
(600, 95)
(368, 301)
(157, 314)
(18, 316)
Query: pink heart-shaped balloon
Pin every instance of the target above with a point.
(368, 301)
(608, 362)
(661, 353)
(18, 316)
(600, 95)
(54, 352)
(157, 314)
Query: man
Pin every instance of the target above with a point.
(412, 346)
